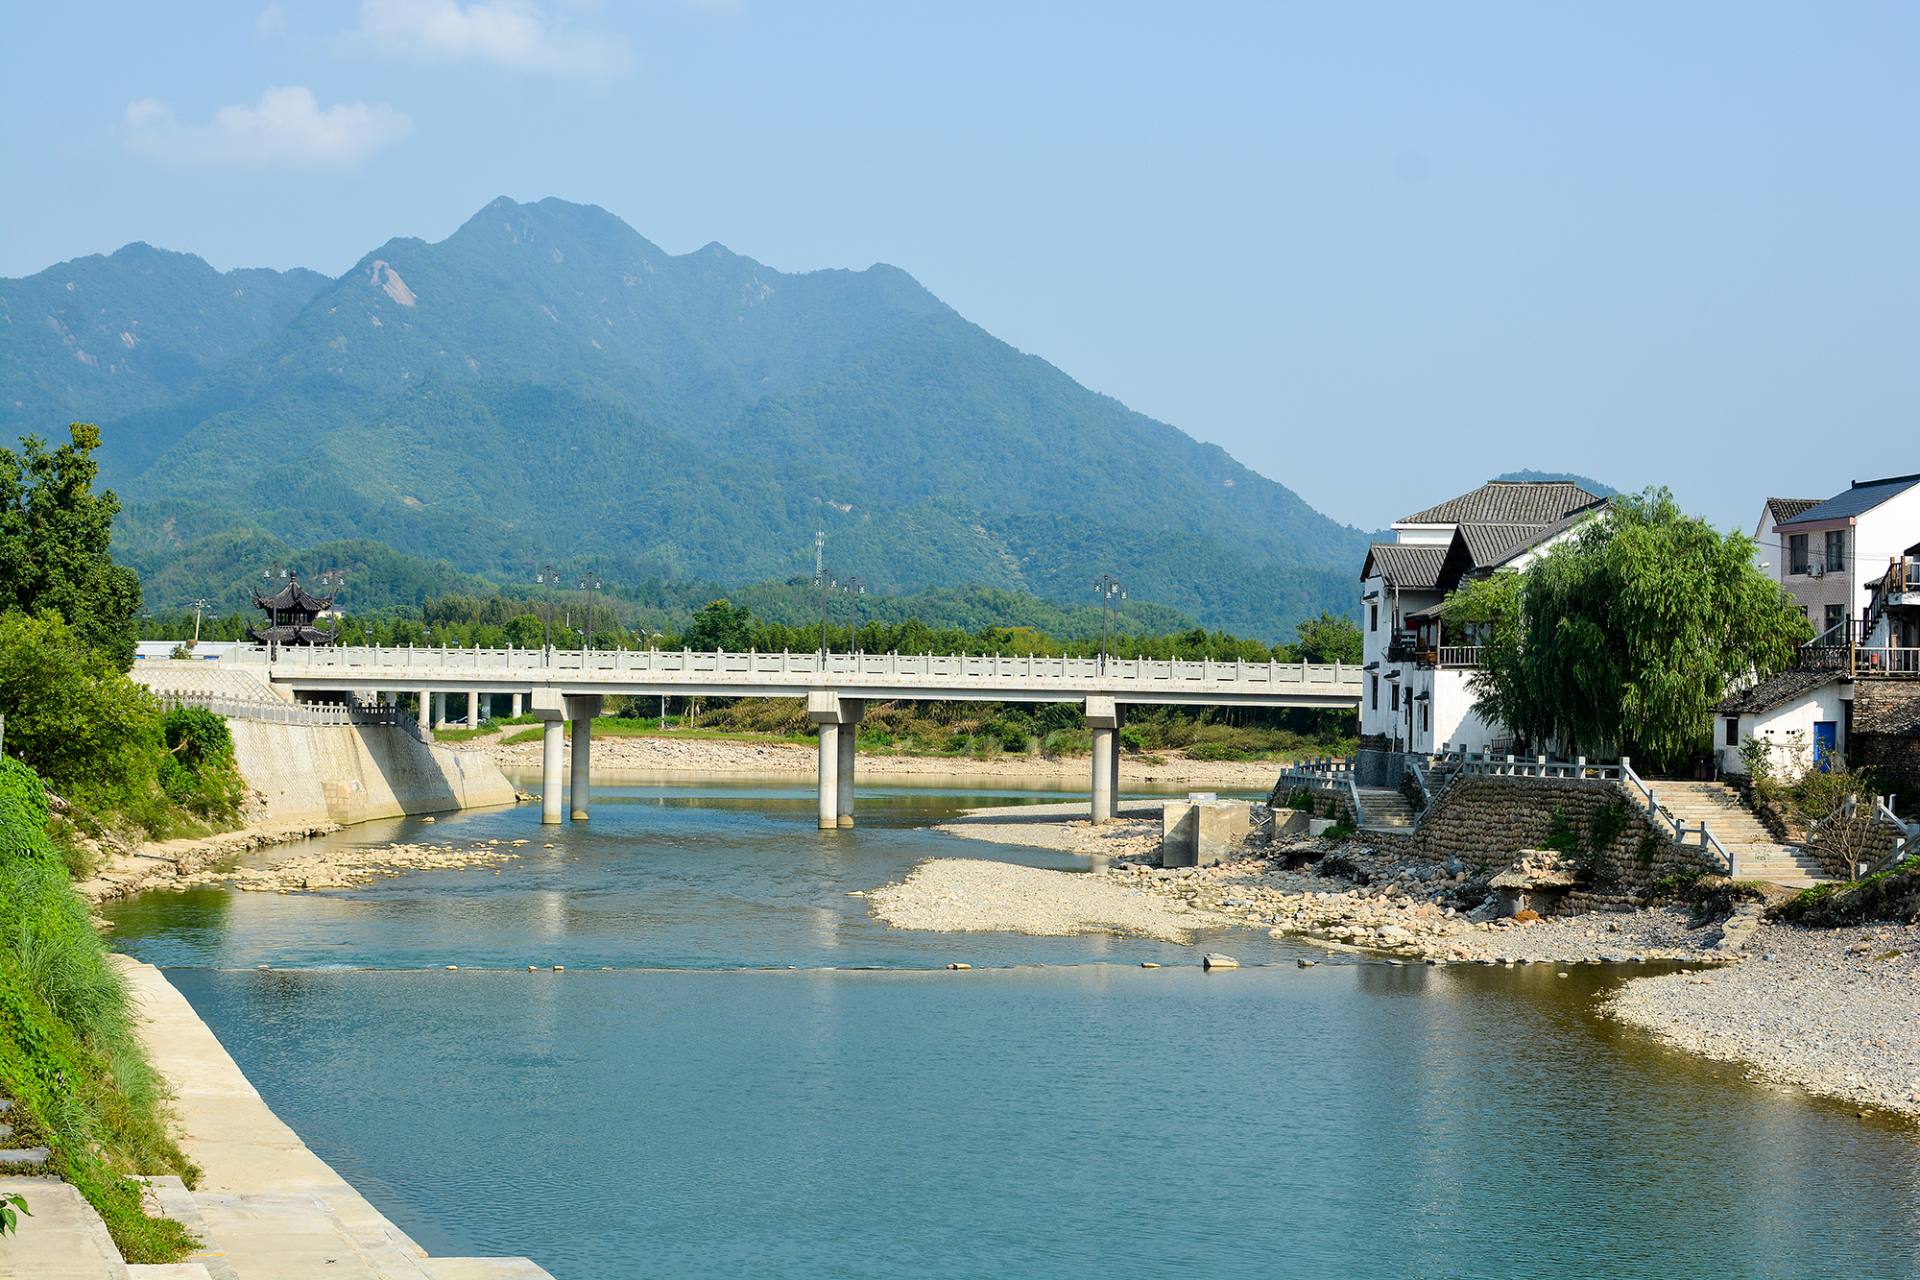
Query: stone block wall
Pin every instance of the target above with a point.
(1885, 735)
(1839, 843)
(1486, 821)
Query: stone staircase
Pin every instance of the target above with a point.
(1385, 809)
(1756, 854)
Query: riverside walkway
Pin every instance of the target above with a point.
(558, 686)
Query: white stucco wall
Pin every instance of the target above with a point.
(1788, 731)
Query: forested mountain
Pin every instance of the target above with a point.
(547, 383)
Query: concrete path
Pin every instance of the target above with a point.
(266, 1208)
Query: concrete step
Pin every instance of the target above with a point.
(60, 1236)
(289, 1234)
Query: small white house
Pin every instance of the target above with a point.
(1802, 717)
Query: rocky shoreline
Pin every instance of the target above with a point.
(1827, 1011)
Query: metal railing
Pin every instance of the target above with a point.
(1459, 655)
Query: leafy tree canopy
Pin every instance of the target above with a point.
(55, 536)
(1628, 634)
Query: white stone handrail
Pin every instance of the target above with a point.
(1129, 679)
(275, 711)
(1353, 798)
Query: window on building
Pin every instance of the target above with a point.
(1836, 613)
(1423, 718)
(1796, 553)
(1836, 550)
(1373, 617)
(1394, 698)
(1733, 731)
(1376, 692)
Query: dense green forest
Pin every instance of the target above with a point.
(547, 384)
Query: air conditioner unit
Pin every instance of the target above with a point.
(1816, 571)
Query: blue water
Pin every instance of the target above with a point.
(699, 1110)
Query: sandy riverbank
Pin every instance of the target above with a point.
(1830, 1011)
(664, 753)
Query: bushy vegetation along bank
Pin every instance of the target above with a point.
(69, 1056)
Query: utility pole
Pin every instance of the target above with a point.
(546, 577)
(855, 589)
(198, 605)
(1106, 586)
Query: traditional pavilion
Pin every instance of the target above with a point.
(291, 615)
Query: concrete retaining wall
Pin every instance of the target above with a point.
(354, 773)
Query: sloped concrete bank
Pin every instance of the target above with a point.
(354, 773)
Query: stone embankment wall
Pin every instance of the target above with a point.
(1841, 843)
(354, 773)
(1486, 821)
(1885, 735)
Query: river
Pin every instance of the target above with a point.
(739, 1072)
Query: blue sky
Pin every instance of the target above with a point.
(1378, 252)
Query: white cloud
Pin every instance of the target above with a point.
(286, 128)
(511, 33)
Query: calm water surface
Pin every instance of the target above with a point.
(696, 1108)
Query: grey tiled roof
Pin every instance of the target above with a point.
(1408, 567)
(1785, 509)
(1509, 502)
(1775, 691)
(1864, 495)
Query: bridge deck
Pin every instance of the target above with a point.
(859, 675)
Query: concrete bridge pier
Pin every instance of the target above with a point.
(474, 715)
(581, 709)
(515, 704)
(553, 734)
(1103, 717)
(838, 721)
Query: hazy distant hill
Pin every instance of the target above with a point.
(547, 383)
(104, 337)
(1540, 477)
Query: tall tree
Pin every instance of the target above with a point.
(1628, 634)
(55, 543)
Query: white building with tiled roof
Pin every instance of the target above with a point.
(1830, 554)
(1415, 696)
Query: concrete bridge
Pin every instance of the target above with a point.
(568, 685)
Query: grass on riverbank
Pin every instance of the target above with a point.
(70, 1058)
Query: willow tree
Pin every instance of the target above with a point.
(1626, 635)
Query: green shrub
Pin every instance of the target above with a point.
(69, 1057)
(198, 771)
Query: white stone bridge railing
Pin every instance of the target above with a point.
(776, 674)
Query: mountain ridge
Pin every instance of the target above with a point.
(548, 381)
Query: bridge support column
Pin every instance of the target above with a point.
(829, 776)
(1104, 719)
(515, 704)
(426, 709)
(473, 709)
(581, 710)
(439, 710)
(552, 746)
(838, 722)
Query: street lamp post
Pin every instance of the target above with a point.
(855, 589)
(589, 584)
(1107, 587)
(546, 577)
